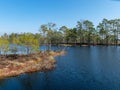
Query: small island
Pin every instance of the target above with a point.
(16, 64)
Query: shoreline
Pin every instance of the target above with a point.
(77, 44)
(14, 65)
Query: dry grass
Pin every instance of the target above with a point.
(13, 65)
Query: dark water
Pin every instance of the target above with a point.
(82, 68)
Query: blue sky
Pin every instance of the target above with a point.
(27, 15)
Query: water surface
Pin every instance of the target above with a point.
(82, 68)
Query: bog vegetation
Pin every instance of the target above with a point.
(106, 33)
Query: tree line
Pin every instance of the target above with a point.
(14, 43)
(105, 33)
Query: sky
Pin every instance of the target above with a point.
(27, 15)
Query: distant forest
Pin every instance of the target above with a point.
(84, 33)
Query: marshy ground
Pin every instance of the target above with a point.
(15, 64)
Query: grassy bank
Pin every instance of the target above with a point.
(13, 65)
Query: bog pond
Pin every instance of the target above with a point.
(82, 68)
